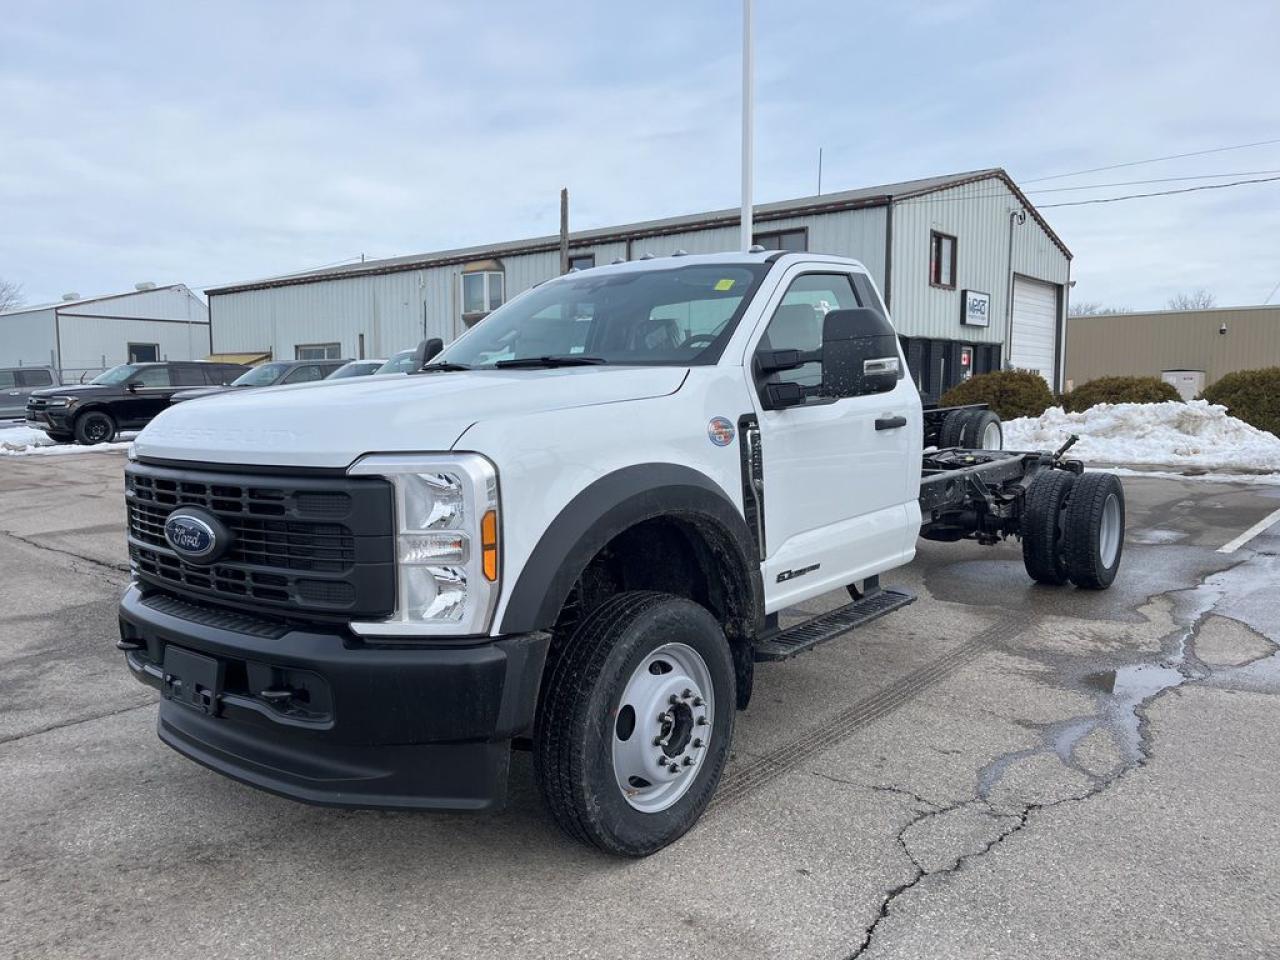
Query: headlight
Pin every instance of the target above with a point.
(447, 553)
(60, 401)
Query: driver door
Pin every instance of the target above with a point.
(841, 475)
(146, 394)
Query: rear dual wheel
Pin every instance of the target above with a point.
(634, 722)
(1073, 529)
(972, 429)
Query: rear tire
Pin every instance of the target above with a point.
(1093, 530)
(94, 427)
(982, 431)
(1042, 525)
(952, 430)
(599, 696)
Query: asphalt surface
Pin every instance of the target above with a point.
(999, 770)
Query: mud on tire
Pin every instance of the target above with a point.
(581, 714)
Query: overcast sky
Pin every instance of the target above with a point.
(227, 141)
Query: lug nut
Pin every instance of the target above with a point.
(688, 761)
(686, 694)
(664, 718)
(662, 760)
(697, 744)
(657, 741)
(673, 700)
(697, 701)
(673, 768)
(702, 721)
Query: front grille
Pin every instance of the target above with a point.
(36, 403)
(298, 544)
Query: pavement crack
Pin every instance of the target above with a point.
(100, 564)
(72, 723)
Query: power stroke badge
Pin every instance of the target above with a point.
(720, 430)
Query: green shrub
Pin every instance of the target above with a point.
(1250, 395)
(1119, 390)
(1010, 393)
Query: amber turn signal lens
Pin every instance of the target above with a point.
(489, 544)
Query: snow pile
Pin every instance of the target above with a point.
(1196, 434)
(21, 441)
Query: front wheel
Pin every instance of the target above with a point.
(634, 722)
(94, 427)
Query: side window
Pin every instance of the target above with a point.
(7, 380)
(797, 322)
(32, 378)
(303, 374)
(151, 377)
(187, 377)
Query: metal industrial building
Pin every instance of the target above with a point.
(82, 336)
(1190, 348)
(974, 277)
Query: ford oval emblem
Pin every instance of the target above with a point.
(192, 537)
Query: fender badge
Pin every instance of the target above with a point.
(720, 430)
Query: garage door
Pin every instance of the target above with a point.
(1035, 327)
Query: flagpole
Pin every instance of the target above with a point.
(747, 124)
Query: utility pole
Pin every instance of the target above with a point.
(819, 171)
(747, 135)
(564, 231)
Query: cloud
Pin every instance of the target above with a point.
(224, 142)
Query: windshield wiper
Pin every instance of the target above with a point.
(564, 360)
(444, 366)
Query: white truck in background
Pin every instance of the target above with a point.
(572, 531)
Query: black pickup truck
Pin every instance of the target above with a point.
(126, 397)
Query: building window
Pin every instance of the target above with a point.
(582, 261)
(942, 260)
(482, 291)
(317, 351)
(792, 241)
(144, 352)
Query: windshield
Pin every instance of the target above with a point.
(262, 376)
(402, 362)
(117, 374)
(676, 317)
(356, 368)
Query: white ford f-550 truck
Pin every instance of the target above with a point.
(572, 531)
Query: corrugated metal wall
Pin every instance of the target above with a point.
(92, 344)
(1146, 344)
(26, 339)
(395, 310)
(977, 214)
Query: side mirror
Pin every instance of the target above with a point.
(859, 353)
(132, 386)
(775, 361)
(427, 350)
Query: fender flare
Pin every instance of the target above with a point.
(614, 503)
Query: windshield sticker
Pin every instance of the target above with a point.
(724, 285)
(720, 431)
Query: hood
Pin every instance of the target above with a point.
(78, 390)
(198, 392)
(330, 423)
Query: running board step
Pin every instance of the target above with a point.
(828, 626)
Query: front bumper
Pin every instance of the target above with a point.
(321, 717)
(58, 420)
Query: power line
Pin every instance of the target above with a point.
(1159, 193)
(1138, 163)
(1272, 293)
(1136, 183)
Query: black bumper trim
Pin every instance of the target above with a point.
(424, 726)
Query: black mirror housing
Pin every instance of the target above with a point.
(426, 351)
(776, 361)
(859, 353)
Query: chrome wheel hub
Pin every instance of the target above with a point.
(662, 727)
(1109, 532)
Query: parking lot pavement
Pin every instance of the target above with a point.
(999, 770)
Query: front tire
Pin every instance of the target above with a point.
(94, 427)
(645, 677)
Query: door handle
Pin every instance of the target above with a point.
(891, 422)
